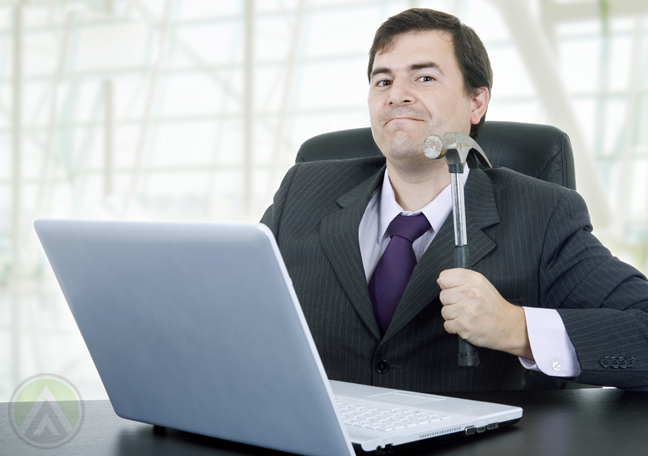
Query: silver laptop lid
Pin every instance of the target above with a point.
(161, 306)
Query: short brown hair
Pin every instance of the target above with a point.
(469, 50)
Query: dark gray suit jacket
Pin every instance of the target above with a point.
(531, 239)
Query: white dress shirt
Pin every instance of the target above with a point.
(553, 351)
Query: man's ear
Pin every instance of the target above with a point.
(479, 105)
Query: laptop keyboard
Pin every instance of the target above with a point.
(385, 419)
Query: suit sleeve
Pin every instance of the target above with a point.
(602, 301)
(272, 216)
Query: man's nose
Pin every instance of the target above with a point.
(401, 93)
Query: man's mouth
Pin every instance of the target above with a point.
(404, 118)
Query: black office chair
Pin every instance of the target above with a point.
(540, 151)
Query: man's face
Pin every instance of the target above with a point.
(417, 90)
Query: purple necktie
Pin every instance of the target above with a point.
(393, 271)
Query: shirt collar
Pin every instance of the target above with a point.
(436, 211)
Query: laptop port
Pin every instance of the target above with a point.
(481, 429)
(470, 430)
(492, 426)
(388, 449)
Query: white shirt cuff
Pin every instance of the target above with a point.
(552, 349)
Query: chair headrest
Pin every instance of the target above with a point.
(540, 151)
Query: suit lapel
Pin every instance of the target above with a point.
(481, 212)
(339, 237)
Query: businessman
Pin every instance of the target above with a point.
(369, 246)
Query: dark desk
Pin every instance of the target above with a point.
(566, 422)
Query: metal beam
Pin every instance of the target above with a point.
(285, 98)
(248, 107)
(542, 69)
(211, 70)
(16, 190)
(603, 79)
(109, 124)
(53, 116)
(549, 25)
(108, 137)
(151, 92)
(625, 168)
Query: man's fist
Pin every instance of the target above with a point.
(475, 310)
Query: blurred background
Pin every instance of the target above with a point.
(193, 110)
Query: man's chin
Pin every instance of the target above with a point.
(405, 147)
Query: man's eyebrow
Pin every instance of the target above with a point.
(380, 71)
(424, 65)
(412, 67)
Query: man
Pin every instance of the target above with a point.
(543, 294)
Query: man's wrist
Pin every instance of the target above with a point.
(518, 341)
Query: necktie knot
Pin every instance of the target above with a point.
(410, 227)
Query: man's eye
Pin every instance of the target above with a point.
(426, 78)
(383, 83)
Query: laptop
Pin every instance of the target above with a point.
(196, 327)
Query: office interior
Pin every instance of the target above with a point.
(192, 111)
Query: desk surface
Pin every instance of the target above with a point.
(563, 422)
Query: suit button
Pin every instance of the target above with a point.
(381, 366)
(614, 363)
(623, 363)
(605, 362)
(631, 361)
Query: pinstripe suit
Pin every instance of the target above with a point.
(531, 239)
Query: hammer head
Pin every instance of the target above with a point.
(435, 147)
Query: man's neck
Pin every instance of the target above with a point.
(415, 190)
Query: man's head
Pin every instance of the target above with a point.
(429, 74)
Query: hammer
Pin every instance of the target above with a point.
(455, 148)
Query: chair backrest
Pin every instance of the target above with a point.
(540, 151)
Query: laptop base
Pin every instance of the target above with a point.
(431, 442)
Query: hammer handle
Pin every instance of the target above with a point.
(468, 356)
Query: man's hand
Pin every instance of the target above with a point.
(475, 310)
